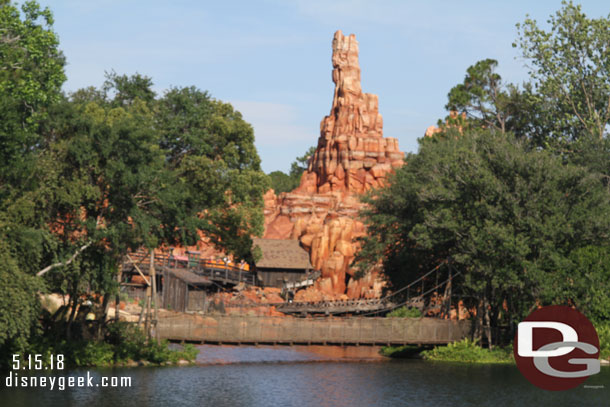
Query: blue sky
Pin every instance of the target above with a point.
(271, 59)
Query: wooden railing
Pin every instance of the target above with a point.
(215, 271)
(322, 331)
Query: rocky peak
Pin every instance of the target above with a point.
(352, 155)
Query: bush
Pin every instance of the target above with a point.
(469, 352)
(91, 354)
(399, 352)
(603, 332)
(404, 312)
(124, 342)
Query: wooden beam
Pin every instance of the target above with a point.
(138, 269)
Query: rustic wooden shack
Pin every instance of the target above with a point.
(282, 261)
(184, 290)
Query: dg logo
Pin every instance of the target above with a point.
(556, 348)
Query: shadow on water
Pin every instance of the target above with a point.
(250, 376)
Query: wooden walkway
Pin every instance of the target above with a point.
(215, 271)
(240, 330)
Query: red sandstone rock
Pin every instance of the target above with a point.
(352, 157)
(454, 120)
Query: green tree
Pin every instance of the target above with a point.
(19, 305)
(210, 148)
(483, 97)
(31, 75)
(508, 217)
(105, 189)
(300, 165)
(281, 182)
(570, 73)
(126, 88)
(585, 283)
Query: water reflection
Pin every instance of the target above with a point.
(260, 382)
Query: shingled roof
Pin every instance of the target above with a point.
(281, 254)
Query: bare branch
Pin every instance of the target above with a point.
(64, 263)
(98, 221)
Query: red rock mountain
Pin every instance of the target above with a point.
(352, 156)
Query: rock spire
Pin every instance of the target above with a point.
(351, 157)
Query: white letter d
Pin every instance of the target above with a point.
(525, 337)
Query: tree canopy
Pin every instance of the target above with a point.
(570, 73)
(86, 177)
(514, 187)
(508, 217)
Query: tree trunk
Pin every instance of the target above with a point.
(487, 324)
(73, 305)
(102, 320)
(478, 323)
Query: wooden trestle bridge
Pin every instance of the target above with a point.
(414, 295)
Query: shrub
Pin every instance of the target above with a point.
(404, 312)
(92, 354)
(603, 332)
(470, 352)
(123, 342)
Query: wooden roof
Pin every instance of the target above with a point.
(281, 254)
(190, 277)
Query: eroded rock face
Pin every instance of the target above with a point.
(352, 156)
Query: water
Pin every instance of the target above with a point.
(296, 377)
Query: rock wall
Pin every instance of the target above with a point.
(352, 156)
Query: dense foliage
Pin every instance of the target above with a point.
(31, 74)
(513, 190)
(509, 218)
(88, 176)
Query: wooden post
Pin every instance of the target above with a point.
(153, 277)
(147, 318)
(450, 286)
(117, 303)
(143, 308)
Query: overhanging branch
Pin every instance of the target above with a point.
(64, 263)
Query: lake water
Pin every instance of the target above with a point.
(248, 376)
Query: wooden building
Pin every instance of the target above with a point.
(183, 290)
(282, 261)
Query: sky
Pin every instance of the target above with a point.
(272, 59)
